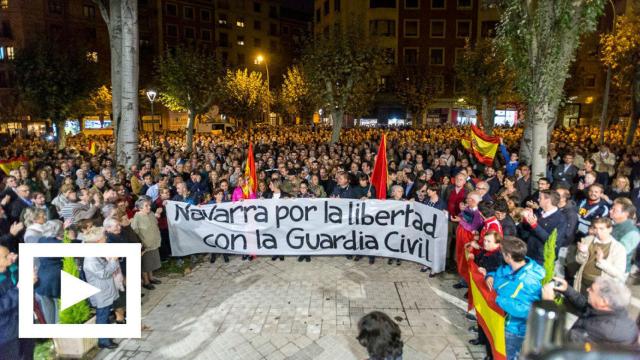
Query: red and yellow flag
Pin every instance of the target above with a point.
(251, 186)
(92, 148)
(12, 164)
(490, 316)
(380, 174)
(481, 145)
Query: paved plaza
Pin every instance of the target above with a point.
(290, 310)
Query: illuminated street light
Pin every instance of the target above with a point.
(259, 60)
(151, 95)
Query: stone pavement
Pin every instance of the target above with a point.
(291, 310)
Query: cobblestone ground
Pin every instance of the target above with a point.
(291, 310)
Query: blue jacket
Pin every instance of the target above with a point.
(516, 293)
(9, 305)
(49, 273)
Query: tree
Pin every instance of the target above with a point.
(188, 78)
(298, 96)
(414, 89)
(244, 96)
(486, 78)
(621, 52)
(342, 67)
(51, 76)
(540, 39)
(121, 17)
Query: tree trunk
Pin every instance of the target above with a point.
(190, 125)
(128, 129)
(635, 107)
(488, 114)
(338, 119)
(605, 104)
(62, 135)
(543, 116)
(527, 139)
(113, 18)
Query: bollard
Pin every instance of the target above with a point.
(545, 328)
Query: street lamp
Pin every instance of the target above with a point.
(151, 95)
(607, 84)
(259, 60)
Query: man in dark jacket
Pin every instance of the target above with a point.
(541, 224)
(9, 343)
(342, 190)
(565, 173)
(603, 317)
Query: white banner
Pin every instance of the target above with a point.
(398, 229)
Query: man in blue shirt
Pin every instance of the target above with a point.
(518, 286)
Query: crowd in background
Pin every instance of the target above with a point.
(589, 197)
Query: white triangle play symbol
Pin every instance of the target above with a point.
(73, 290)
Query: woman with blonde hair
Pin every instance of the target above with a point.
(621, 187)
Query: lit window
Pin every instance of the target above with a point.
(2, 55)
(240, 23)
(92, 56)
(240, 40)
(4, 4)
(10, 53)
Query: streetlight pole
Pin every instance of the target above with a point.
(259, 60)
(151, 95)
(607, 85)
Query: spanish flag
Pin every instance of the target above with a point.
(13, 163)
(250, 174)
(92, 148)
(481, 145)
(491, 317)
(380, 174)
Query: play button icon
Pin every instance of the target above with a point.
(73, 290)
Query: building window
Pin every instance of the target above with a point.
(382, 27)
(410, 56)
(459, 55)
(240, 22)
(391, 4)
(465, 4)
(438, 83)
(257, 7)
(224, 39)
(241, 59)
(389, 55)
(590, 81)
(11, 54)
(187, 12)
(273, 12)
(172, 10)
(92, 56)
(438, 4)
(257, 25)
(55, 7)
(205, 35)
(412, 4)
(463, 29)
(336, 5)
(257, 42)
(412, 28)
(4, 4)
(326, 8)
(172, 30)
(189, 32)
(5, 30)
(240, 40)
(488, 29)
(89, 11)
(436, 56)
(205, 15)
(3, 56)
(223, 20)
(438, 29)
(318, 18)
(285, 29)
(273, 29)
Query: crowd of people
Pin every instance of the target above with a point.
(588, 199)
